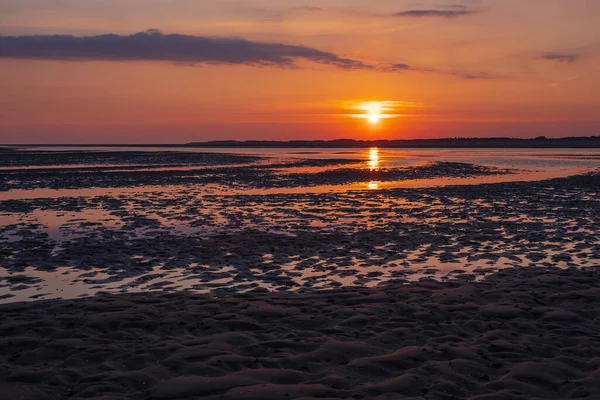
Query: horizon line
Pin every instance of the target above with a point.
(593, 140)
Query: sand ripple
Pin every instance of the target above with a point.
(522, 334)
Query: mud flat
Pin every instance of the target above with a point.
(527, 333)
(479, 292)
(205, 172)
(188, 239)
(39, 158)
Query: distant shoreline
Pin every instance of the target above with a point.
(537, 143)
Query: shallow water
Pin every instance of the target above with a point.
(526, 165)
(533, 158)
(230, 236)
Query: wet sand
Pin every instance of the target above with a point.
(201, 286)
(520, 334)
(190, 239)
(259, 176)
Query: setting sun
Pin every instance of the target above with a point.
(374, 118)
(375, 111)
(300, 199)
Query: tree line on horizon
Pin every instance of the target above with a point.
(540, 141)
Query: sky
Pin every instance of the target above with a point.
(177, 71)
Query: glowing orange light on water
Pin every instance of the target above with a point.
(373, 167)
(373, 185)
(374, 159)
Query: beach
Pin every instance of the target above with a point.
(292, 277)
(299, 200)
(520, 334)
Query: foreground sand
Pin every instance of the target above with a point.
(520, 334)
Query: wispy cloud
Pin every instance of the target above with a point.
(309, 8)
(462, 74)
(454, 6)
(475, 76)
(561, 57)
(452, 13)
(394, 67)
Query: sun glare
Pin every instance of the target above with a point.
(373, 167)
(374, 159)
(374, 112)
(374, 118)
(373, 185)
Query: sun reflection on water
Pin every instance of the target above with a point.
(374, 159)
(373, 166)
(373, 185)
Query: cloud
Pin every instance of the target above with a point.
(394, 67)
(566, 57)
(464, 75)
(309, 8)
(455, 6)
(453, 13)
(398, 67)
(482, 75)
(153, 45)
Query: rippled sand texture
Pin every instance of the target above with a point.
(522, 334)
(274, 278)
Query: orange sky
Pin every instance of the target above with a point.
(470, 68)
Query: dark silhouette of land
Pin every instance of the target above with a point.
(499, 142)
(540, 142)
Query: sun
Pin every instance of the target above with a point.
(373, 109)
(374, 118)
(375, 113)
